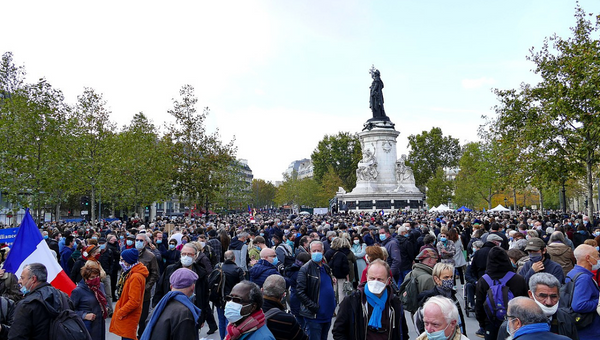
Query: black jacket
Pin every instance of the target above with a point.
(479, 261)
(163, 286)
(338, 262)
(283, 325)
(352, 318)
(407, 252)
(116, 254)
(308, 288)
(561, 323)
(35, 312)
(233, 276)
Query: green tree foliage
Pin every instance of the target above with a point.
(439, 189)
(330, 184)
(92, 143)
(477, 180)
(342, 152)
(142, 173)
(430, 151)
(235, 192)
(263, 193)
(300, 192)
(201, 160)
(561, 112)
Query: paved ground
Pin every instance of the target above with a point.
(472, 326)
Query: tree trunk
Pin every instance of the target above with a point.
(91, 209)
(541, 200)
(58, 211)
(515, 199)
(590, 188)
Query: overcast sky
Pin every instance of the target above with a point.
(279, 75)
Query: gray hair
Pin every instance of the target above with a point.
(191, 245)
(478, 244)
(446, 305)
(402, 229)
(316, 242)
(557, 236)
(545, 279)
(38, 270)
(229, 256)
(243, 235)
(527, 313)
(331, 233)
(145, 236)
(274, 286)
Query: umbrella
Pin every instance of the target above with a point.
(463, 208)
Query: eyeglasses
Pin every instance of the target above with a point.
(235, 299)
(508, 317)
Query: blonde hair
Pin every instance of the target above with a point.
(440, 267)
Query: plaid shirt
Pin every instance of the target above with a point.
(215, 244)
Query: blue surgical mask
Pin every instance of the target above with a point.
(24, 289)
(439, 335)
(45, 237)
(382, 237)
(233, 311)
(317, 257)
(171, 246)
(275, 261)
(443, 239)
(158, 241)
(121, 237)
(129, 242)
(262, 234)
(103, 246)
(139, 245)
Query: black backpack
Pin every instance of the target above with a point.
(408, 292)
(567, 291)
(67, 325)
(216, 285)
(289, 256)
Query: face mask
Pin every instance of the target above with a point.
(262, 234)
(535, 258)
(93, 282)
(202, 244)
(171, 246)
(257, 248)
(139, 245)
(513, 264)
(548, 311)
(474, 250)
(125, 266)
(596, 266)
(103, 246)
(356, 241)
(94, 238)
(275, 261)
(24, 289)
(233, 311)
(439, 335)
(597, 233)
(443, 239)
(447, 284)
(121, 237)
(508, 328)
(183, 241)
(582, 232)
(186, 261)
(129, 242)
(382, 237)
(45, 237)
(597, 249)
(376, 287)
(317, 257)
(158, 241)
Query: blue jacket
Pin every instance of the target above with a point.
(550, 267)
(260, 271)
(586, 300)
(262, 333)
(65, 256)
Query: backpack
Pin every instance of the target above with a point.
(216, 285)
(210, 253)
(566, 300)
(409, 291)
(67, 325)
(289, 257)
(497, 297)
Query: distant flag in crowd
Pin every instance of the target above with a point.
(382, 212)
(249, 210)
(30, 247)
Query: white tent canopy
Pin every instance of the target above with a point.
(443, 207)
(433, 209)
(499, 208)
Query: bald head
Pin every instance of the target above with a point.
(267, 254)
(586, 256)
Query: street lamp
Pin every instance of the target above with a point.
(449, 201)
(505, 200)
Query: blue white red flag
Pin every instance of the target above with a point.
(30, 247)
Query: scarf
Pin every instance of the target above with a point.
(121, 281)
(250, 324)
(378, 304)
(94, 286)
(76, 254)
(172, 295)
(532, 328)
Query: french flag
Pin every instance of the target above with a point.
(30, 247)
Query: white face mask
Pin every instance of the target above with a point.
(548, 311)
(376, 287)
(186, 261)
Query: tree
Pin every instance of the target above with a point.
(430, 151)
(142, 174)
(92, 144)
(263, 193)
(477, 179)
(439, 189)
(566, 102)
(235, 192)
(330, 184)
(200, 159)
(342, 152)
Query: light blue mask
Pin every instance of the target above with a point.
(275, 261)
(317, 257)
(439, 335)
(382, 237)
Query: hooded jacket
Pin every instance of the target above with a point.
(261, 270)
(498, 264)
(35, 312)
(563, 255)
(129, 307)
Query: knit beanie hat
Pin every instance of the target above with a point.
(130, 255)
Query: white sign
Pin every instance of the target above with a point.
(84, 212)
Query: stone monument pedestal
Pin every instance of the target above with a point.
(382, 181)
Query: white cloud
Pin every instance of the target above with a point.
(477, 83)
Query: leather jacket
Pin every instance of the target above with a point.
(308, 288)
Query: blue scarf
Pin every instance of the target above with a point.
(378, 304)
(532, 328)
(179, 296)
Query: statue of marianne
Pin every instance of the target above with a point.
(376, 99)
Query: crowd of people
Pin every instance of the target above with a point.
(349, 276)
